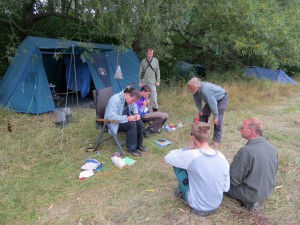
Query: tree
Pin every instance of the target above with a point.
(134, 23)
(243, 32)
(219, 34)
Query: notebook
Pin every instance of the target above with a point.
(163, 142)
(128, 161)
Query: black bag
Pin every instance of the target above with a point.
(142, 74)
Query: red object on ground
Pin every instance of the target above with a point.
(196, 119)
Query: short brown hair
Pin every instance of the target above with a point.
(150, 49)
(146, 88)
(201, 131)
(133, 92)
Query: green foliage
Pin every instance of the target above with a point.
(217, 34)
(226, 34)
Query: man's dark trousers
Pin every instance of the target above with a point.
(134, 134)
(222, 104)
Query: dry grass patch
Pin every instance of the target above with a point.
(41, 163)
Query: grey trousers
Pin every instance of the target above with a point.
(157, 118)
(153, 95)
(247, 203)
(222, 104)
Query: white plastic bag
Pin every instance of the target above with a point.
(118, 73)
(118, 161)
(86, 173)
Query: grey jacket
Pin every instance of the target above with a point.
(253, 170)
(210, 94)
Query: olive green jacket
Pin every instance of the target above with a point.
(150, 77)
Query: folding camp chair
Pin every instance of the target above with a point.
(101, 98)
(56, 97)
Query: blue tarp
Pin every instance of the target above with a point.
(82, 83)
(273, 75)
(25, 85)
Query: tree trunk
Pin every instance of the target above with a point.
(51, 6)
(63, 7)
(27, 17)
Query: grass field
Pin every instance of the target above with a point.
(40, 164)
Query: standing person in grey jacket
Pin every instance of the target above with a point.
(150, 75)
(216, 100)
(254, 168)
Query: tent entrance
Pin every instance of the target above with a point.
(69, 79)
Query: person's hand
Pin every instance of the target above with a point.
(157, 84)
(131, 118)
(140, 84)
(200, 114)
(145, 103)
(137, 117)
(215, 121)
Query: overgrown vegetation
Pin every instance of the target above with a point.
(217, 34)
(40, 164)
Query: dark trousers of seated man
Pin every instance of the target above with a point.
(134, 134)
(237, 193)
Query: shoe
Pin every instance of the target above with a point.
(155, 109)
(156, 131)
(147, 133)
(142, 148)
(135, 153)
(203, 214)
(253, 206)
(178, 193)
